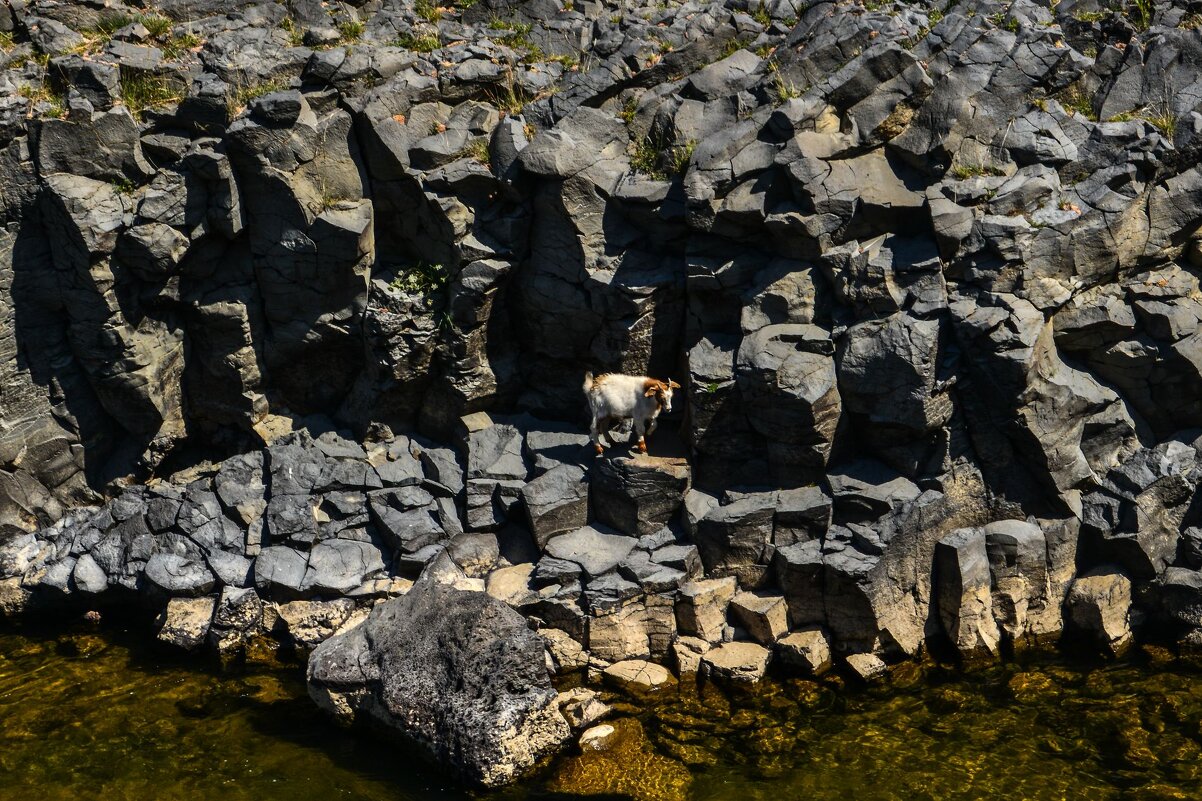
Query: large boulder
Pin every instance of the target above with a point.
(458, 673)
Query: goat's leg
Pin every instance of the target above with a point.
(595, 434)
(651, 425)
(639, 426)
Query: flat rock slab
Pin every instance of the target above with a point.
(458, 673)
(596, 551)
(638, 674)
(866, 667)
(739, 662)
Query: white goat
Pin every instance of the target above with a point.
(613, 396)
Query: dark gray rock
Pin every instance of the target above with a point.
(596, 551)
(638, 494)
(735, 539)
(556, 502)
(178, 576)
(280, 572)
(336, 567)
(458, 673)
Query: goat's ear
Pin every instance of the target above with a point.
(651, 391)
(672, 384)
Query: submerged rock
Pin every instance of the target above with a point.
(457, 673)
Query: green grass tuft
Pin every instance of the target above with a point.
(477, 150)
(962, 172)
(1075, 99)
(351, 30)
(427, 10)
(141, 91)
(158, 25)
(419, 42)
(46, 93)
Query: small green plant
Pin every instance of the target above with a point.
(427, 10)
(141, 91)
(1144, 12)
(111, 22)
(569, 7)
(1040, 103)
(6, 40)
(511, 98)
(761, 15)
(44, 93)
(934, 17)
(711, 387)
(682, 155)
(176, 46)
(783, 90)
(630, 107)
(732, 46)
(351, 30)
(477, 150)
(875, 5)
(962, 172)
(1012, 25)
(296, 37)
(765, 50)
(1075, 99)
(421, 279)
(1090, 16)
(517, 36)
(241, 94)
(1090, 51)
(1122, 116)
(419, 42)
(646, 158)
(156, 25)
(124, 186)
(328, 198)
(1161, 118)
(569, 61)
(616, 19)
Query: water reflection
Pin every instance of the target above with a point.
(90, 714)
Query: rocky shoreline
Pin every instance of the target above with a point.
(296, 299)
(303, 545)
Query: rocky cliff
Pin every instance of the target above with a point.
(927, 272)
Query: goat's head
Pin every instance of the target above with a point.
(662, 392)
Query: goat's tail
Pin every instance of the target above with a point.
(588, 382)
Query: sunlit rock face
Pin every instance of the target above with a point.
(295, 306)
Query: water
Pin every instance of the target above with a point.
(100, 714)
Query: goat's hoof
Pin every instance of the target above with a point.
(600, 448)
(642, 447)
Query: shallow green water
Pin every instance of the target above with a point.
(90, 714)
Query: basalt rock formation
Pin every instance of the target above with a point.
(297, 298)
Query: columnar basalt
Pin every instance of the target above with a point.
(296, 301)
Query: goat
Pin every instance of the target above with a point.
(613, 396)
